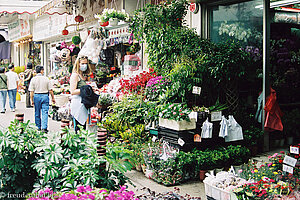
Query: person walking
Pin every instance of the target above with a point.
(12, 80)
(28, 73)
(40, 88)
(3, 89)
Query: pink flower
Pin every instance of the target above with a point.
(270, 164)
(81, 189)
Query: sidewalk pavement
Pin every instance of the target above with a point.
(193, 188)
(9, 116)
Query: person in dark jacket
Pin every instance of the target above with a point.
(28, 76)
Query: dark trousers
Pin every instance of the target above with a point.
(76, 123)
(28, 103)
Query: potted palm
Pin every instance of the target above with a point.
(176, 117)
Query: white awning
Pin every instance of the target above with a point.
(20, 7)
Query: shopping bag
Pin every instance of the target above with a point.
(235, 131)
(18, 96)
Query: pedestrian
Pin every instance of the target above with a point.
(28, 76)
(12, 80)
(40, 88)
(3, 89)
(80, 72)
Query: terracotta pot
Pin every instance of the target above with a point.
(202, 174)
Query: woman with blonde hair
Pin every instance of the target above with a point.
(79, 75)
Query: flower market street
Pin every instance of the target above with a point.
(193, 188)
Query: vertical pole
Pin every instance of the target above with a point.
(105, 3)
(266, 65)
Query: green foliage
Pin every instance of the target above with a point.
(133, 110)
(161, 27)
(252, 135)
(181, 77)
(17, 155)
(67, 162)
(227, 62)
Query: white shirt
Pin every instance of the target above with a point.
(12, 78)
(40, 84)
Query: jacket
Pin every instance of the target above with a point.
(89, 98)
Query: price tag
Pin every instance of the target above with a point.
(294, 150)
(290, 161)
(193, 115)
(196, 90)
(181, 142)
(153, 138)
(216, 116)
(288, 169)
(197, 138)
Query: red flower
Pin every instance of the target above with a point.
(280, 161)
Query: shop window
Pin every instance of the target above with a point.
(242, 22)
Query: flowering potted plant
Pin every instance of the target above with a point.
(113, 16)
(176, 117)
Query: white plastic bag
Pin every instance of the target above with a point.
(206, 129)
(235, 131)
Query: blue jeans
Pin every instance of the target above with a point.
(3, 95)
(41, 108)
(12, 98)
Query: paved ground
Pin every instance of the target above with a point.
(193, 188)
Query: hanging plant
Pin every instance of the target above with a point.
(76, 40)
(65, 32)
(79, 18)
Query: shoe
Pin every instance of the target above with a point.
(12, 110)
(29, 106)
(2, 112)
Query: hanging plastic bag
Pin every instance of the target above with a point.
(235, 131)
(167, 152)
(18, 97)
(223, 128)
(273, 114)
(206, 129)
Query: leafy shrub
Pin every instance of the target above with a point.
(17, 154)
(64, 163)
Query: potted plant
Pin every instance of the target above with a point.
(105, 100)
(176, 117)
(113, 16)
(251, 138)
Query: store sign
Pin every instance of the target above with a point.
(49, 26)
(288, 169)
(18, 29)
(194, 8)
(290, 161)
(294, 150)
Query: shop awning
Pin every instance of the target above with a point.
(52, 7)
(20, 7)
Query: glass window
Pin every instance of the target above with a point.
(240, 21)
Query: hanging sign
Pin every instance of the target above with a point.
(194, 8)
(288, 169)
(294, 150)
(196, 90)
(153, 139)
(216, 116)
(197, 138)
(181, 142)
(290, 161)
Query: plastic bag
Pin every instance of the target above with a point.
(235, 131)
(18, 97)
